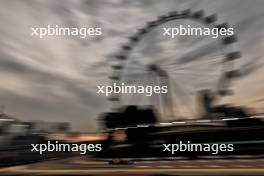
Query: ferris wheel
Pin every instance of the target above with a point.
(188, 65)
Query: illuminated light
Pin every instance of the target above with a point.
(257, 117)
(119, 136)
(231, 119)
(144, 126)
(11, 120)
(205, 121)
(165, 123)
(132, 127)
(79, 137)
(120, 128)
(178, 122)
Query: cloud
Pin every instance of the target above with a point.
(55, 78)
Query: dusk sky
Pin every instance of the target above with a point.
(55, 78)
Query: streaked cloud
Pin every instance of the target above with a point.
(55, 79)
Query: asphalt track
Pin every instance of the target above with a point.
(83, 166)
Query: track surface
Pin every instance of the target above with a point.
(83, 166)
